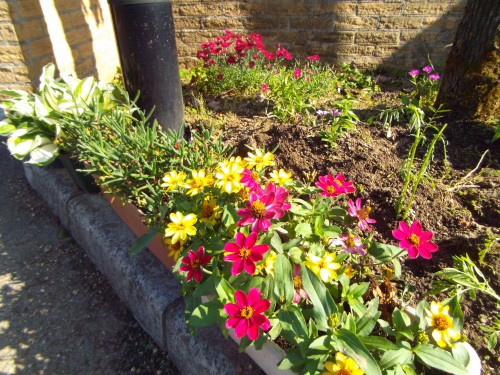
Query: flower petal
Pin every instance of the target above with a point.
(241, 298)
(241, 328)
(254, 295)
(231, 309)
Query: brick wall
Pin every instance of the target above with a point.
(393, 33)
(76, 35)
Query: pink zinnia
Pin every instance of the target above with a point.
(350, 244)
(313, 58)
(264, 88)
(362, 213)
(297, 284)
(428, 69)
(414, 72)
(334, 186)
(283, 52)
(414, 240)
(250, 179)
(297, 73)
(193, 264)
(434, 77)
(263, 206)
(244, 253)
(245, 316)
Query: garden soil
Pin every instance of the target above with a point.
(463, 213)
(58, 314)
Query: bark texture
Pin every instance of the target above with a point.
(471, 77)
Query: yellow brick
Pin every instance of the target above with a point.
(364, 37)
(342, 50)
(4, 11)
(269, 23)
(31, 29)
(441, 22)
(222, 23)
(395, 22)
(379, 9)
(201, 10)
(7, 33)
(427, 8)
(355, 23)
(6, 75)
(10, 54)
(385, 51)
(312, 23)
(41, 47)
(335, 37)
(28, 9)
(187, 23)
(77, 36)
(84, 50)
(334, 7)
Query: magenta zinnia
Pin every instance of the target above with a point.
(350, 244)
(245, 316)
(244, 253)
(361, 213)
(193, 264)
(415, 240)
(334, 186)
(263, 206)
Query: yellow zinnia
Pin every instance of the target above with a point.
(174, 249)
(229, 177)
(442, 323)
(181, 226)
(280, 177)
(259, 160)
(174, 180)
(210, 211)
(198, 182)
(343, 366)
(324, 267)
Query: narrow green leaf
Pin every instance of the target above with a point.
(354, 348)
(395, 357)
(276, 243)
(377, 342)
(438, 358)
(283, 288)
(142, 242)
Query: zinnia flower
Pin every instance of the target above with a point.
(312, 58)
(263, 206)
(174, 249)
(350, 244)
(229, 176)
(434, 77)
(442, 323)
(297, 285)
(244, 253)
(414, 72)
(428, 69)
(268, 264)
(356, 210)
(193, 264)
(181, 226)
(259, 159)
(343, 366)
(297, 73)
(210, 211)
(198, 182)
(174, 180)
(280, 177)
(245, 316)
(414, 240)
(324, 267)
(334, 186)
(250, 180)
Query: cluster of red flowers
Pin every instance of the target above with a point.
(233, 47)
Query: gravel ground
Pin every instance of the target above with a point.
(58, 314)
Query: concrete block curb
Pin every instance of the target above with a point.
(149, 290)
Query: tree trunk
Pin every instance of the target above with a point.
(471, 77)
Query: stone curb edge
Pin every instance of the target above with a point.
(148, 289)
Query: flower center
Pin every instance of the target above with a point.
(180, 227)
(244, 252)
(297, 282)
(255, 176)
(195, 264)
(331, 189)
(344, 371)
(349, 242)
(258, 209)
(441, 322)
(364, 213)
(246, 312)
(207, 211)
(414, 239)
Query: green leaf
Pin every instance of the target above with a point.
(368, 320)
(293, 321)
(283, 288)
(6, 127)
(304, 230)
(383, 252)
(377, 342)
(142, 242)
(276, 243)
(295, 254)
(224, 290)
(438, 358)
(456, 313)
(323, 304)
(206, 314)
(318, 225)
(354, 348)
(395, 357)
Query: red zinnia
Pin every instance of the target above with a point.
(192, 264)
(313, 58)
(334, 186)
(297, 73)
(244, 253)
(245, 316)
(414, 240)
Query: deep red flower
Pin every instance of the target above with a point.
(312, 58)
(251, 64)
(297, 73)
(415, 240)
(220, 76)
(245, 316)
(264, 88)
(334, 186)
(231, 59)
(244, 253)
(283, 53)
(193, 264)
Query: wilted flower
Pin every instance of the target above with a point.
(244, 253)
(414, 240)
(245, 316)
(174, 249)
(210, 211)
(297, 285)
(193, 264)
(439, 318)
(350, 244)
(220, 76)
(362, 213)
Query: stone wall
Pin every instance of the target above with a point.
(392, 33)
(76, 35)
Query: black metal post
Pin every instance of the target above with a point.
(145, 36)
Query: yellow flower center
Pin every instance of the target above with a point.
(196, 264)
(246, 312)
(350, 241)
(207, 211)
(297, 282)
(414, 239)
(442, 322)
(243, 193)
(364, 213)
(344, 371)
(331, 189)
(244, 252)
(255, 176)
(258, 209)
